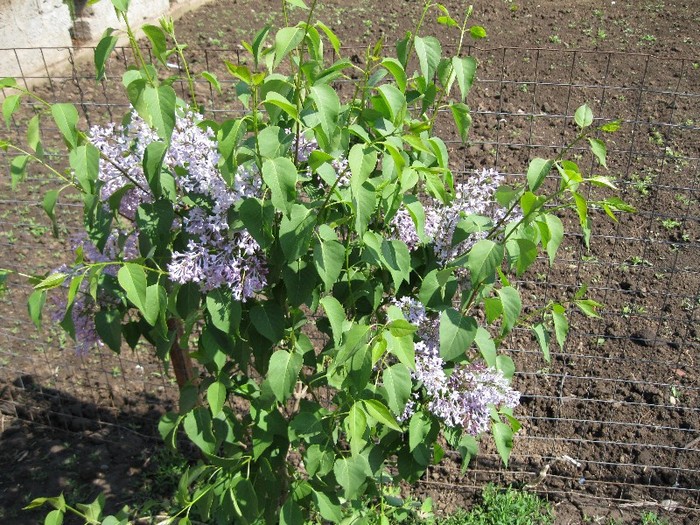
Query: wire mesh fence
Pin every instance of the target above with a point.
(612, 419)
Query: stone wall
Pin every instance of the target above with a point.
(36, 36)
(25, 25)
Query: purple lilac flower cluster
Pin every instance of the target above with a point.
(120, 245)
(473, 197)
(215, 255)
(462, 398)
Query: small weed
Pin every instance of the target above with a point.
(503, 507)
(636, 260)
(116, 372)
(647, 39)
(655, 137)
(554, 39)
(642, 184)
(602, 35)
(670, 224)
(651, 518)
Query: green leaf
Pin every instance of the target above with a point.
(400, 328)
(281, 102)
(268, 320)
(55, 517)
(9, 106)
(428, 50)
(154, 105)
(153, 158)
(328, 107)
(35, 304)
(402, 348)
(85, 161)
(521, 254)
(378, 411)
(328, 506)
(216, 397)
(483, 259)
(418, 430)
(66, 118)
(121, 6)
(394, 67)
(18, 169)
(7, 82)
(213, 80)
(296, 232)
(258, 217)
(556, 235)
(300, 280)
(395, 101)
(329, 259)
(486, 346)
(588, 307)
(158, 41)
(537, 171)
(583, 116)
(240, 72)
(477, 32)
(542, 336)
(336, 317)
(156, 300)
(34, 136)
(598, 149)
(291, 514)
(584, 220)
(364, 201)
(457, 333)
(351, 473)
(197, 426)
(108, 324)
(362, 161)
(397, 383)
(438, 289)
(280, 175)
(286, 40)
(503, 436)
(132, 279)
(283, 373)
(465, 71)
(447, 21)
(332, 38)
(355, 424)
(225, 313)
(462, 118)
(397, 259)
(611, 127)
(512, 305)
(561, 324)
(49, 206)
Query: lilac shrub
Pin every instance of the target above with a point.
(227, 245)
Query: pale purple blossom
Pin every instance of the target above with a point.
(464, 397)
(474, 196)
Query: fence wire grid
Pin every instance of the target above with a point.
(613, 419)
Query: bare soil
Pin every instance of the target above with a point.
(611, 425)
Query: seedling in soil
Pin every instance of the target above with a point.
(647, 39)
(642, 184)
(554, 39)
(651, 518)
(655, 137)
(670, 224)
(636, 260)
